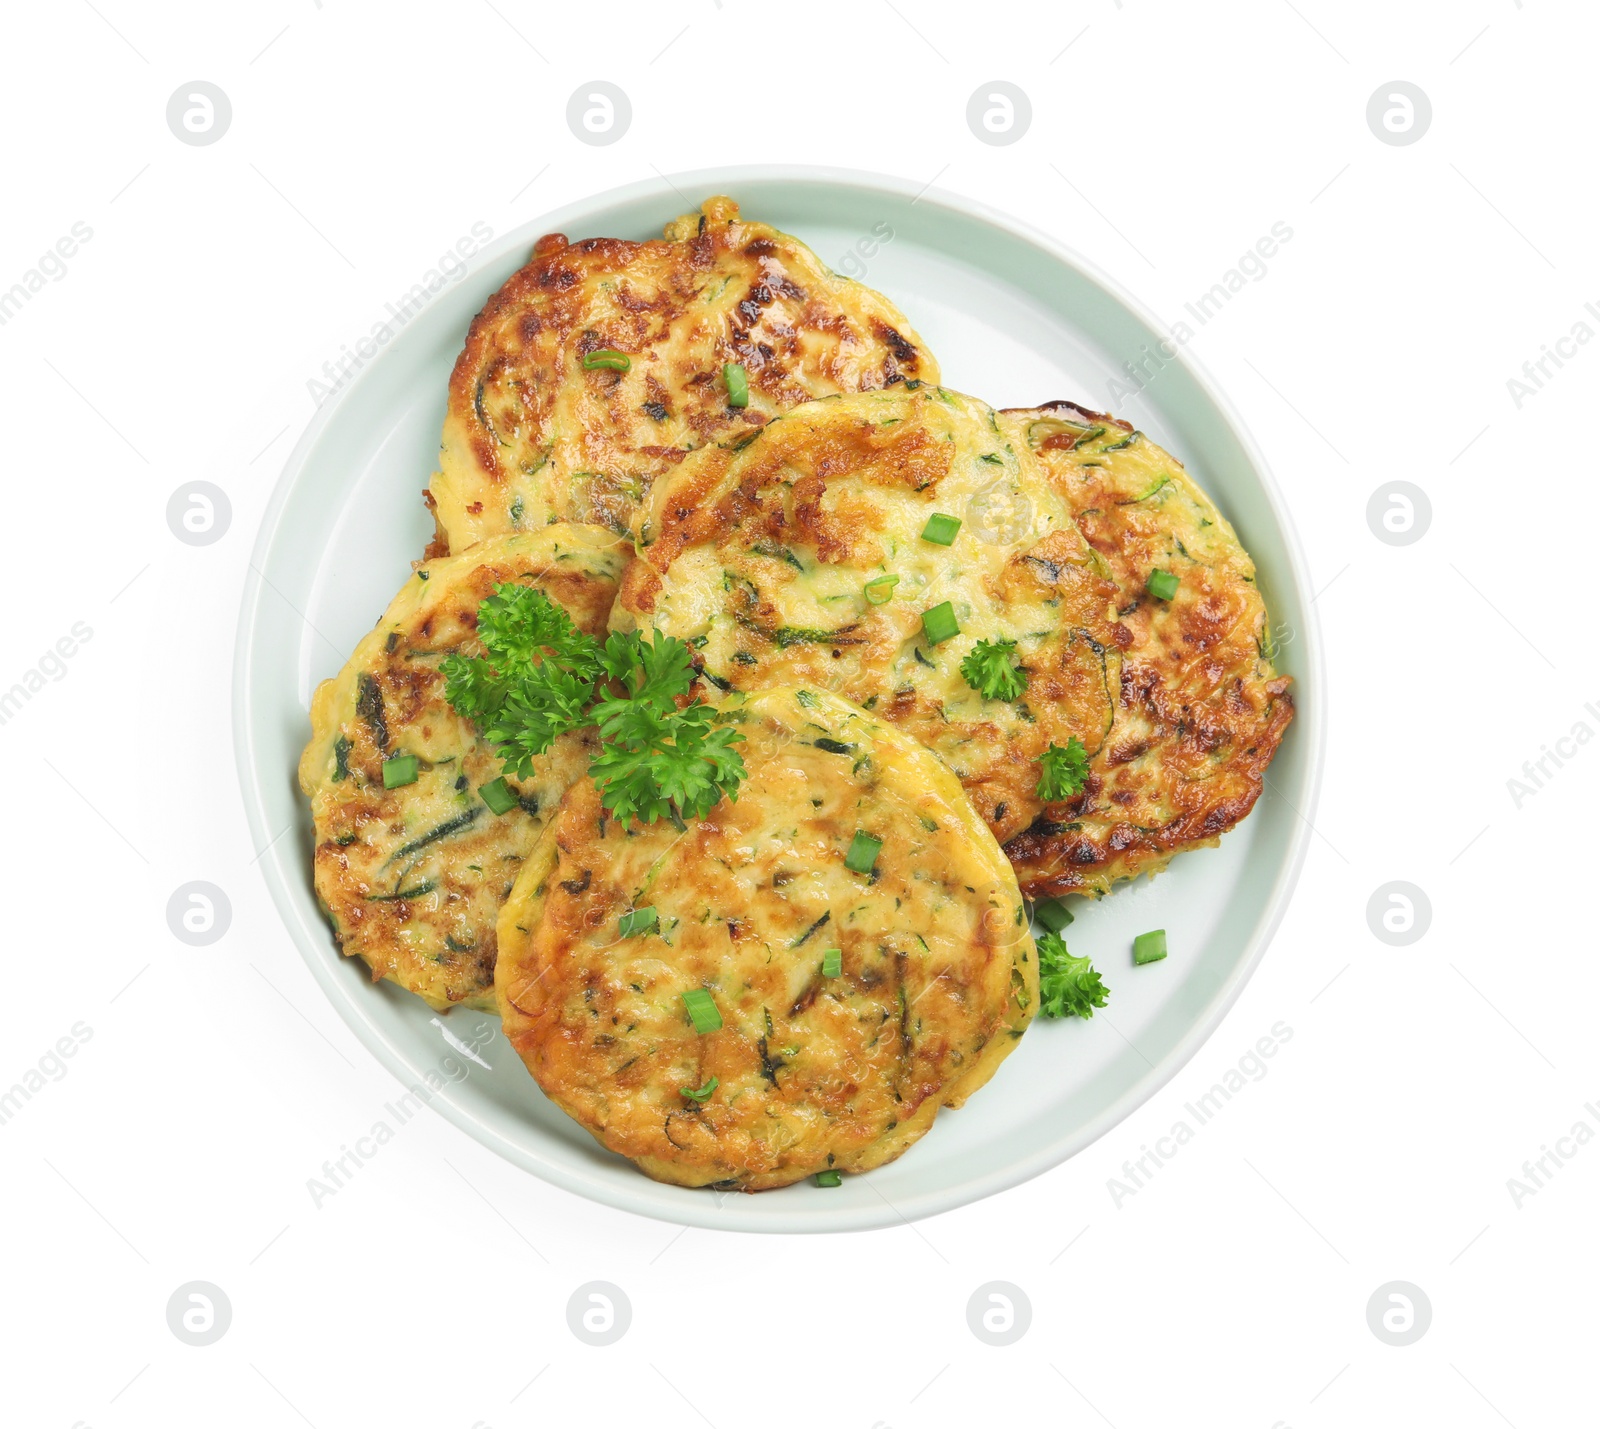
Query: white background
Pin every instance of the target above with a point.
(1166, 139)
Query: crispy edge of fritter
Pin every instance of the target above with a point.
(719, 489)
(467, 437)
(336, 695)
(515, 978)
(1078, 847)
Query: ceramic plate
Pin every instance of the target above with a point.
(1014, 319)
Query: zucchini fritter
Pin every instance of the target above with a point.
(413, 877)
(1201, 711)
(804, 557)
(806, 1072)
(542, 426)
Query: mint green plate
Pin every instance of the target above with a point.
(1015, 319)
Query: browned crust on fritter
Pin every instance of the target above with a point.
(526, 419)
(439, 544)
(790, 489)
(1201, 711)
(811, 1072)
(390, 699)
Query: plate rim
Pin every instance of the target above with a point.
(1309, 727)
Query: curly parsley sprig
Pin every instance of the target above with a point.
(988, 669)
(541, 677)
(1068, 986)
(1063, 771)
(521, 627)
(535, 711)
(660, 761)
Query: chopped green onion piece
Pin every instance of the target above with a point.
(1055, 915)
(880, 589)
(941, 529)
(498, 796)
(939, 624)
(702, 1010)
(399, 771)
(1163, 585)
(832, 962)
(636, 920)
(607, 357)
(1150, 947)
(699, 1094)
(863, 853)
(737, 383)
(828, 1178)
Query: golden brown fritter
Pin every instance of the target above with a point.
(801, 557)
(807, 1071)
(533, 434)
(412, 878)
(1201, 711)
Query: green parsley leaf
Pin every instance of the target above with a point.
(541, 677)
(1068, 986)
(657, 760)
(676, 766)
(654, 672)
(537, 681)
(537, 709)
(520, 625)
(473, 688)
(988, 669)
(1063, 772)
